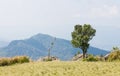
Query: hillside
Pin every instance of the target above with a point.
(37, 46)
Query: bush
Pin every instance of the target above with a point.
(91, 58)
(24, 59)
(114, 55)
(20, 59)
(52, 58)
(47, 59)
(14, 60)
(4, 61)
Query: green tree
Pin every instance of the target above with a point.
(81, 37)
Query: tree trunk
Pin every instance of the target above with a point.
(84, 55)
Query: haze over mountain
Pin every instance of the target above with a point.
(3, 43)
(37, 46)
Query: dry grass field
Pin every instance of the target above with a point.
(59, 68)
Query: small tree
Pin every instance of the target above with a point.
(81, 37)
(51, 46)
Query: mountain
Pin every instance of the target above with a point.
(37, 46)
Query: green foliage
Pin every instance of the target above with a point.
(20, 59)
(10, 61)
(91, 58)
(114, 55)
(81, 37)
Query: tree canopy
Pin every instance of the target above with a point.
(81, 36)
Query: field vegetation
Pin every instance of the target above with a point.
(59, 68)
(14, 60)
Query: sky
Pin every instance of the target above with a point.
(21, 19)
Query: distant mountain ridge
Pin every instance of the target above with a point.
(37, 46)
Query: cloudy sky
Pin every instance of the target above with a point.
(20, 19)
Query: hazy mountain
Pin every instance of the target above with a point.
(37, 46)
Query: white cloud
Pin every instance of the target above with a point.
(105, 11)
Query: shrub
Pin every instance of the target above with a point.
(20, 59)
(23, 59)
(14, 60)
(114, 55)
(4, 61)
(91, 58)
(52, 58)
(47, 59)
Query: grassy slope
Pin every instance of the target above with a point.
(62, 69)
